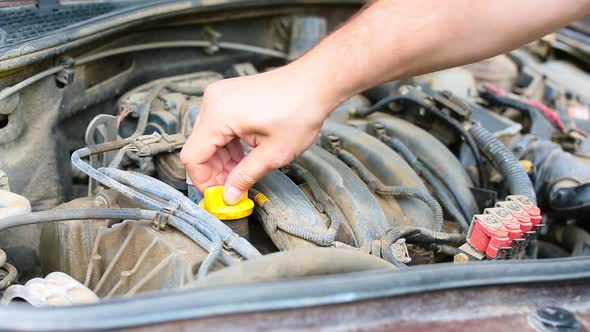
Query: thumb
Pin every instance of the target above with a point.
(247, 172)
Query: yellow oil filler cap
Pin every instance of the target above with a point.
(214, 204)
(527, 165)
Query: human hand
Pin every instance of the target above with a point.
(278, 113)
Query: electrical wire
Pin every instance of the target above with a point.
(458, 127)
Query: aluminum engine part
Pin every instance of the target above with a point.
(10, 203)
(57, 289)
(131, 258)
(119, 259)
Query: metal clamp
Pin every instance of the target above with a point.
(66, 75)
(160, 222)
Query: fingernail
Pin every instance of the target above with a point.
(232, 195)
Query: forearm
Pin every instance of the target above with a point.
(389, 40)
(393, 39)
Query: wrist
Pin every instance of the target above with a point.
(314, 82)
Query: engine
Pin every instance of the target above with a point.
(455, 166)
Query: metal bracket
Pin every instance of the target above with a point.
(485, 198)
(214, 37)
(454, 104)
(160, 222)
(66, 75)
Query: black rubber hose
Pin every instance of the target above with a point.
(420, 235)
(505, 162)
(443, 249)
(383, 103)
(532, 249)
(530, 110)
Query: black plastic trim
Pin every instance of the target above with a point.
(21, 54)
(308, 292)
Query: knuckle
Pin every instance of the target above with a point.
(244, 179)
(185, 157)
(212, 90)
(281, 159)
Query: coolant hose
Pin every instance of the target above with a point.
(166, 192)
(506, 163)
(296, 263)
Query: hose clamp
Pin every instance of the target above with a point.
(229, 239)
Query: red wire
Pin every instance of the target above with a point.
(548, 112)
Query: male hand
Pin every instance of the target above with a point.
(278, 113)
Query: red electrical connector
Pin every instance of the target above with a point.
(504, 230)
(518, 213)
(529, 207)
(487, 234)
(511, 224)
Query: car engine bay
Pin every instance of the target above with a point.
(489, 161)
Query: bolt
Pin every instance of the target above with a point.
(101, 202)
(554, 319)
(404, 90)
(461, 258)
(3, 179)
